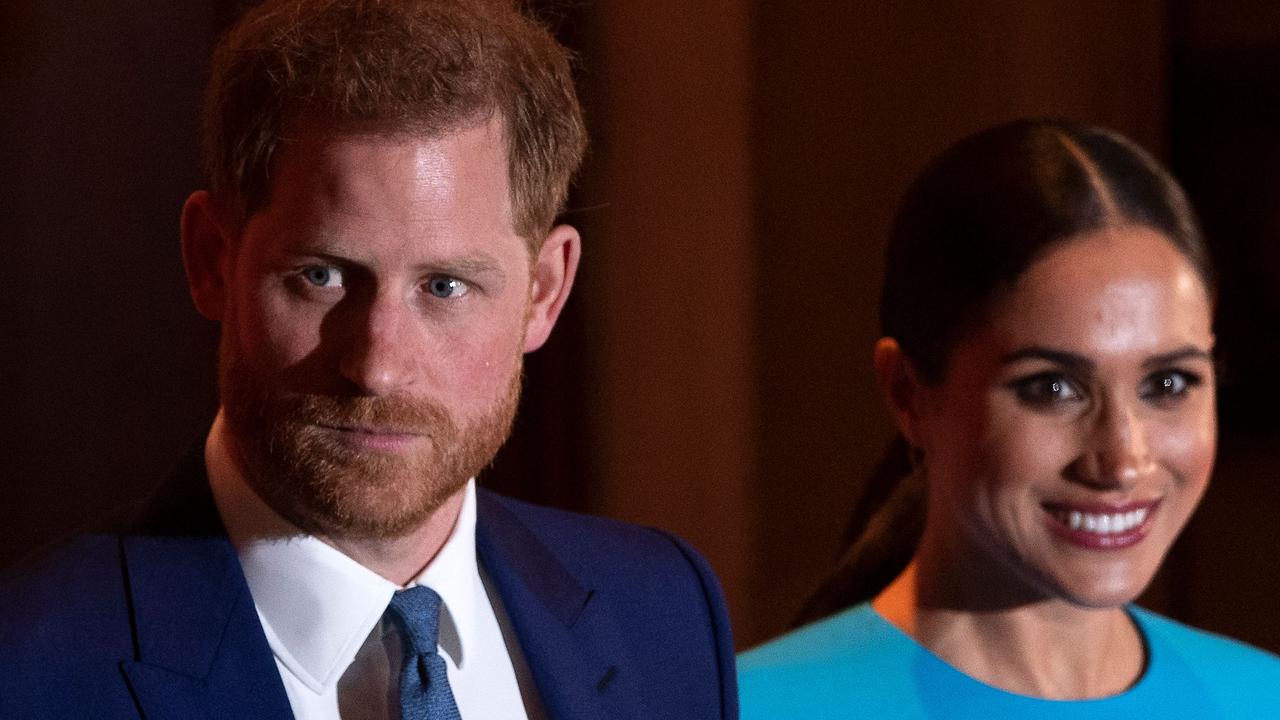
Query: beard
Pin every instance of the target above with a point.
(304, 470)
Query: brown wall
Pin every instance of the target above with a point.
(668, 296)
(106, 372)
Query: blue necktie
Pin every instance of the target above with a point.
(424, 679)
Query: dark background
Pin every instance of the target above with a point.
(712, 372)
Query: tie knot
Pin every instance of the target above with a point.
(417, 609)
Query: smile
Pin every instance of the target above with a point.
(1100, 527)
(1104, 524)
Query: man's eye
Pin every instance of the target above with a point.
(1046, 390)
(325, 276)
(1168, 385)
(444, 286)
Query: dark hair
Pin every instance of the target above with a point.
(978, 216)
(418, 66)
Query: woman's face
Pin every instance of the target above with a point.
(1074, 432)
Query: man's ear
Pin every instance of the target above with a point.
(551, 279)
(206, 250)
(901, 387)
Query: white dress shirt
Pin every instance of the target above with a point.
(323, 613)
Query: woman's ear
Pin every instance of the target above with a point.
(901, 387)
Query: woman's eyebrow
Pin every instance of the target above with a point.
(1083, 364)
(1073, 361)
(1190, 352)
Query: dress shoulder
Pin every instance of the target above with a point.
(851, 659)
(856, 664)
(1209, 654)
(841, 638)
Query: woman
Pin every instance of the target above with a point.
(1047, 359)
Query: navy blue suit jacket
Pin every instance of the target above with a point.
(616, 621)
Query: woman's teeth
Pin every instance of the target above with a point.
(1102, 523)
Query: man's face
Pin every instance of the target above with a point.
(374, 319)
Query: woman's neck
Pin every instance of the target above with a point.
(1047, 648)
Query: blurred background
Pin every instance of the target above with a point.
(712, 373)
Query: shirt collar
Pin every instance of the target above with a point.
(318, 606)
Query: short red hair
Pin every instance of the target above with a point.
(394, 66)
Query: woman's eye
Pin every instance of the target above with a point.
(444, 286)
(1168, 385)
(1046, 390)
(325, 276)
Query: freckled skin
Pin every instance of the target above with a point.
(332, 300)
(375, 314)
(399, 208)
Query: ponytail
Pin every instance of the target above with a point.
(883, 533)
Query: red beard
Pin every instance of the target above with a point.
(305, 470)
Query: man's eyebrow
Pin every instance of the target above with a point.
(479, 264)
(472, 265)
(1190, 352)
(318, 254)
(1071, 360)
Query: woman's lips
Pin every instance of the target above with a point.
(1099, 526)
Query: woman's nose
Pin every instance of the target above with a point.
(1118, 452)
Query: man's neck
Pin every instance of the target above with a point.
(398, 558)
(402, 558)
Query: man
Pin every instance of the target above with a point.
(378, 245)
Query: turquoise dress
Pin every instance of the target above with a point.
(857, 665)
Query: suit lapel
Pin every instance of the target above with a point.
(199, 649)
(572, 645)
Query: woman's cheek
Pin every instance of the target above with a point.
(1188, 448)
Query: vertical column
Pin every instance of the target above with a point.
(666, 285)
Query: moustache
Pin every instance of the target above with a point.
(387, 414)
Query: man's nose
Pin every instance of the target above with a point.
(379, 358)
(1118, 453)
